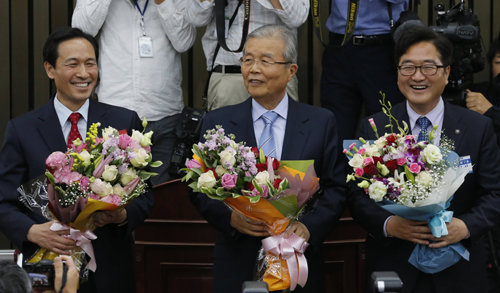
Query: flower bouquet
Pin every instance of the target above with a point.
(102, 173)
(414, 180)
(261, 188)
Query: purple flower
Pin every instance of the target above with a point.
(228, 181)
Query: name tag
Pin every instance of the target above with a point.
(145, 47)
(465, 162)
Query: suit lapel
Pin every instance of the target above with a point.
(451, 126)
(295, 135)
(50, 128)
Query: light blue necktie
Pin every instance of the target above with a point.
(266, 141)
(424, 123)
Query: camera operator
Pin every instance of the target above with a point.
(14, 279)
(484, 98)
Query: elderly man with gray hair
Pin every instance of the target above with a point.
(298, 132)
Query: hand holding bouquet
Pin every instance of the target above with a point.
(414, 180)
(261, 188)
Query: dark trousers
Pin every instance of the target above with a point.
(353, 75)
(164, 140)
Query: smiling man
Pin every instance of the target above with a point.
(424, 59)
(299, 132)
(70, 60)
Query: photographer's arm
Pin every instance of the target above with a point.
(70, 278)
(293, 13)
(180, 32)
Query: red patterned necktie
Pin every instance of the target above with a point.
(74, 133)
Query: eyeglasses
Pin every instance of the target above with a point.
(426, 69)
(247, 61)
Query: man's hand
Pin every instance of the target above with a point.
(477, 102)
(457, 230)
(55, 241)
(158, 2)
(248, 226)
(414, 231)
(298, 229)
(102, 218)
(276, 4)
(72, 275)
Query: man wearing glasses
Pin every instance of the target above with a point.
(298, 132)
(423, 59)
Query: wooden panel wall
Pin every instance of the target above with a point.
(25, 24)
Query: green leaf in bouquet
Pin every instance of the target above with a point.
(145, 175)
(299, 165)
(188, 176)
(283, 184)
(287, 206)
(220, 191)
(409, 175)
(257, 186)
(254, 199)
(50, 177)
(156, 164)
(194, 186)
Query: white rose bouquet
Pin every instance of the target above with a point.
(415, 180)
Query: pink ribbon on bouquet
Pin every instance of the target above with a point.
(82, 239)
(292, 250)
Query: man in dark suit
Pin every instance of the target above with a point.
(299, 132)
(70, 59)
(424, 65)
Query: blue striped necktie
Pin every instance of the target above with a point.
(266, 141)
(424, 123)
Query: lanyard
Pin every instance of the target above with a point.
(142, 14)
(221, 28)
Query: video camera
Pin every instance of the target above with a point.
(461, 27)
(41, 273)
(188, 133)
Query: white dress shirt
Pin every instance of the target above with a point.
(279, 124)
(293, 15)
(149, 86)
(63, 116)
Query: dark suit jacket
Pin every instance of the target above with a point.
(29, 139)
(311, 133)
(477, 203)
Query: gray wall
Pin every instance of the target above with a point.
(25, 24)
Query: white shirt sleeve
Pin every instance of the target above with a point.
(180, 32)
(89, 15)
(294, 12)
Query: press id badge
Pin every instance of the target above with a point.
(466, 163)
(145, 47)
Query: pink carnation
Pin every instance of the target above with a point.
(55, 161)
(228, 181)
(124, 141)
(368, 161)
(94, 196)
(415, 168)
(361, 151)
(359, 172)
(401, 161)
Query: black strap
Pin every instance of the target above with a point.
(139, 8)
(220, 19)
(316, 17)
(64, 277)
(389, 11)
(352, 14)
(217, 48)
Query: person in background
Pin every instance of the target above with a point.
(484, 98)
(140, 44)
(226, 86)
(356, 72)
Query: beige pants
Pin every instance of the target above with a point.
(227, 89)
